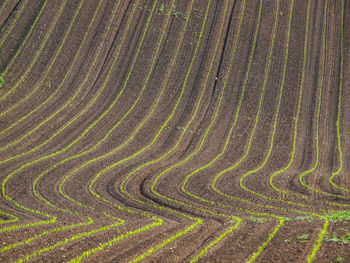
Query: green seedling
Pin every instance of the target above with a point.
(338, 216)
(174, 12)
(1, 82)
(258, 219)
(303, 236)
(334, 238)
(161, 9)
(48, 84)
(344, 239)
(200, 131)
(339, 259)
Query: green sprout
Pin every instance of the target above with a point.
(161, 9)
(338, 216)
(258, 219)
(339, 259)
(1, 82)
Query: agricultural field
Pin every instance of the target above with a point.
(175, 131)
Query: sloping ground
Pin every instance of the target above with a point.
(174, 131)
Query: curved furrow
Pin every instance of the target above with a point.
(251, 172)
(24, 42)
(83, 86)
(318, 106)
(79, 91)
(5, 218)
(28, 164)
(183, 187)
(45, 79)
(272, 234)
(317, 128)
(11, 175)
(3, 5)
(321, 235)
(56, 230)
(130, 233)
(232, 128)
(62, 192)
(195, 221)
(13, 23)
(36, 57)
(235, 220)
(174, 131)
(10, 199)
(264, 244)
(162, 196)
(337, 173)
(298, 112)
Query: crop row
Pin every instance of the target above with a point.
(31, 163)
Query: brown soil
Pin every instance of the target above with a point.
(174, 131)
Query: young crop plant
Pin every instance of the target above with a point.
(171, 11)
(259, 219)
(48, 84)
(174, 12)
(161, 9)
(338, 216)
(303, 238)
(344, 239)
(339, 259)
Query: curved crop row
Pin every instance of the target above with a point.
(48, 203)
(91, 185)
(37, 54)
(14, 22)
(174, 131)
(89, 221)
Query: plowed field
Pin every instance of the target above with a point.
(175, 131)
